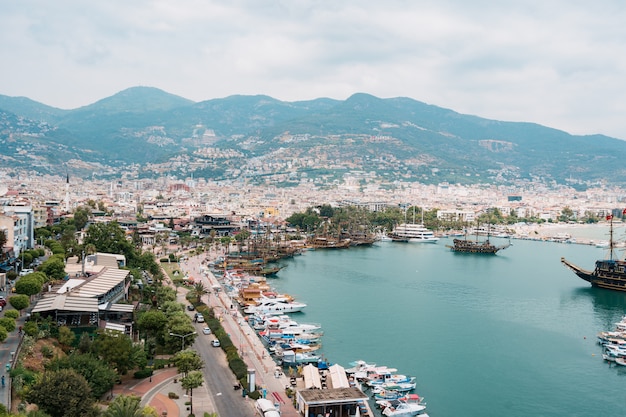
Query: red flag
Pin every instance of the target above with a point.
(624, 212)
(609, 217)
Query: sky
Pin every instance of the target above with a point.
(559, 63)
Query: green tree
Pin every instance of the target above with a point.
(188, 360)
(12, 314)
(98, 374)
(28, 285)
(8, 323)
(567, 214)
(198, 290)
(30, 328)
(85, 343)
(109, 238)
(54, 268)
(151, 322)
(193, 380)
(3, 242)
(4, 333)
(115, 348)
(127, 406)
(19, 302)
(81, 217)
(62, 393)
(66, 336)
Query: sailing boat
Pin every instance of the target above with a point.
(609, 273)
(413, 232)
(476, 246)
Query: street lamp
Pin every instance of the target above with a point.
(182, 337)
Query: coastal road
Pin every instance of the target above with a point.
(251, 348)
(220, 380)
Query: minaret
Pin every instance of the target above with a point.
(67, 193)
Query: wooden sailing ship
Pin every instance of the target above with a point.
(476, 246)
(608, 273)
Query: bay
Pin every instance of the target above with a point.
(506, 335)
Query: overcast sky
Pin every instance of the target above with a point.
(556, 62)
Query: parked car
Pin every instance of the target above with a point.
(215, 343)
(200, 318)
(206, 330)
(190, 307)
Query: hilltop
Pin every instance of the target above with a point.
(144, 131)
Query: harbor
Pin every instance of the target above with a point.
(511, 334)
(491, 331)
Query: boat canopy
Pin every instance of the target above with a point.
(338, 376)
(311, 377)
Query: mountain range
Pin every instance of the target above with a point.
(144, 131)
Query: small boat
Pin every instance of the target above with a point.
(290, 358)
(620, 361)
(405, 410)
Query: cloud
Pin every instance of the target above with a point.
(557, 63)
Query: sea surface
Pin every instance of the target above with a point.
(507, 335)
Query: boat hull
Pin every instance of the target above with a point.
(608, 274)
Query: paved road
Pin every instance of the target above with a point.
(7, 353)
(243, 336)
(219, 378)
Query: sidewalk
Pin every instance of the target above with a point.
(155, 393)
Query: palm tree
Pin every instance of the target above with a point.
(199, 290)
(193, 380)
(125, 406)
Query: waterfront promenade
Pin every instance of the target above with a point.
(251, 348)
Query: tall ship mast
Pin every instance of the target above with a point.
(476, 246)
(609, 273)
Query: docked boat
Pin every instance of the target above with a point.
(608, 273)
(413, 232)
(273, 306)
(329, 243)
(291, 358)
(405, 409)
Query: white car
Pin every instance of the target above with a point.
(206, 330)
(215, 343)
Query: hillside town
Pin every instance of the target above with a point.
(168, 218)
(28, 202)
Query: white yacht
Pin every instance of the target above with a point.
(274, 306)
(414, 233)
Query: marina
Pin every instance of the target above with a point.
(481, 335)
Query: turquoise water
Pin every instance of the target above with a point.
(505, 335)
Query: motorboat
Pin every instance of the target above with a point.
(290, 358)
(405, 409)
(274, 306)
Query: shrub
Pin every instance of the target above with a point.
(8, 323)
(255, 395)
(12, 314)
(160, 363)
(172, 395)
(47, 352)
(239, 368)
(142, 373)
